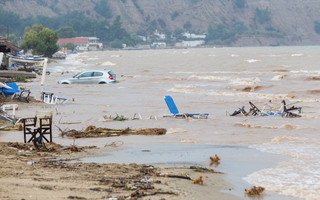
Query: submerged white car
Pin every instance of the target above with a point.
(91, 76)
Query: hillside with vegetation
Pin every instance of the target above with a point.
(225, 22)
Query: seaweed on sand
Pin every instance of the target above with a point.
(92, 131)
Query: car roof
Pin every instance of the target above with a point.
(97, 70)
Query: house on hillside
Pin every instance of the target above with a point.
(82, 43)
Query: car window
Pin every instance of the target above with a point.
(85, 74)
(111, 73)
(97, 73)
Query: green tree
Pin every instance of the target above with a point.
(220, 33)
(174, 15)
(187, 26)
(41, 40)
(116, 32)
(66, 32)
(13, 38)
(116, 44)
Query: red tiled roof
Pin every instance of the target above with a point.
(73, 41)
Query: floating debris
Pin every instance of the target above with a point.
(92, 131)
(114, 144)
(117, 118)
(204, 170)
(215, 160)
(254, 191)
(199, 180)
(255, 111)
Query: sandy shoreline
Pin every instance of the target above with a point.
(29, 174)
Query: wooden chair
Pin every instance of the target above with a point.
(40, 124)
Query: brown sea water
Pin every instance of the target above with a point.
(217, 81)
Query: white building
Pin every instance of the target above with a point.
(193, 36)
(194, 43)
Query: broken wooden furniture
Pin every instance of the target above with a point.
(40, 125)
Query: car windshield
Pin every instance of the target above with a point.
(76, 75)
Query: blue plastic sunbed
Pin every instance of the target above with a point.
(175, 112)
(8, 92)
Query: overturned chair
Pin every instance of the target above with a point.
(40, 125)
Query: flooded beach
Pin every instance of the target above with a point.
(217, 81)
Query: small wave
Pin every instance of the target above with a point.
(249, 88)
(283, 139)
(250, 125)
(288, 126)
(115, 56)
(297, 55)
(185, 86)
(279, 77)
(188, 141)
(252, 60)
(313, 78)
(238, 94)
(108, 63)
(176, 130)
(245, 81)
(280, 70)
(313, 91)
(93, 58)
(221, 78)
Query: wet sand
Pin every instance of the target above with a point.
(30, 174)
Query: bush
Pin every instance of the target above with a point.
(19, 78)
(117, 44)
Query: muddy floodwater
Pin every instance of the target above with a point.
(217, 81)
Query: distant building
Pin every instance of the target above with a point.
(161, 36)
(193, 36)
(82, 43)
(158, 45)
(194, 43)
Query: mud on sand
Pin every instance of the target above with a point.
(29, 174)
